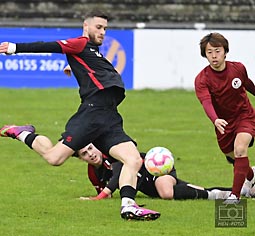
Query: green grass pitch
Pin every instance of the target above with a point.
(37, 199)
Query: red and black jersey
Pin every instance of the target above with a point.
(92, 70)
(99, 176)
(107, 175)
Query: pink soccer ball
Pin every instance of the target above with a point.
(159, 161)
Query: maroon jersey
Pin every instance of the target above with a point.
(226, 89)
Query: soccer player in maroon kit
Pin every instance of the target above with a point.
(97, 119)
(221, 88)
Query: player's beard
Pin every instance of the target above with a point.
(95, 40)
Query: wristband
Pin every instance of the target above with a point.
(101, 195)
(11, 48)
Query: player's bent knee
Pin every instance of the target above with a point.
(167, 195)
(134, 163)
(55, 160)
(57, 155)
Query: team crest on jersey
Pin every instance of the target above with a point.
(96, 52)
(236, 83)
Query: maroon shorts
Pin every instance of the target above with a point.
(226, 141)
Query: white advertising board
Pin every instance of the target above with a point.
(171, 58)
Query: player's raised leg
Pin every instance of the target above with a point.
(54, 155)
(13, 131)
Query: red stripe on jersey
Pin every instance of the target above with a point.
(99, 185)
(74, 45)
(91, 72)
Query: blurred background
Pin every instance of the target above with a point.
(152, 43)
(227, 14)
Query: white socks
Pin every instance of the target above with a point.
(22, 136)
(125, 201)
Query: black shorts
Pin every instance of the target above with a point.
(147, 184)
(97, 121)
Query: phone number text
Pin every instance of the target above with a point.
(33, 65)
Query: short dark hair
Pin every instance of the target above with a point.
(96, 13)
(216, 40)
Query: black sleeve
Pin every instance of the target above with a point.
(113, 183)
(38, 47)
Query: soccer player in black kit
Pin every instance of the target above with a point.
(103, 173)
(97, 120)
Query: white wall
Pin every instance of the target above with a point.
(171, 58)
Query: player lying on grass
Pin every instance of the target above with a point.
(104, 171)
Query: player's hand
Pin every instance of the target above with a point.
(86, 198)
(100, 196)
(90, 198)
(68, 71)
(4, 47)
(220, 124)
(7, 48)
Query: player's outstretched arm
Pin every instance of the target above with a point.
(106, 193)
(7, 48)
(33, 47)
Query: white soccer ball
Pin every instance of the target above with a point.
(159, 161)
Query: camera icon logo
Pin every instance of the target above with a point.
(231, 215)
(231, 212)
